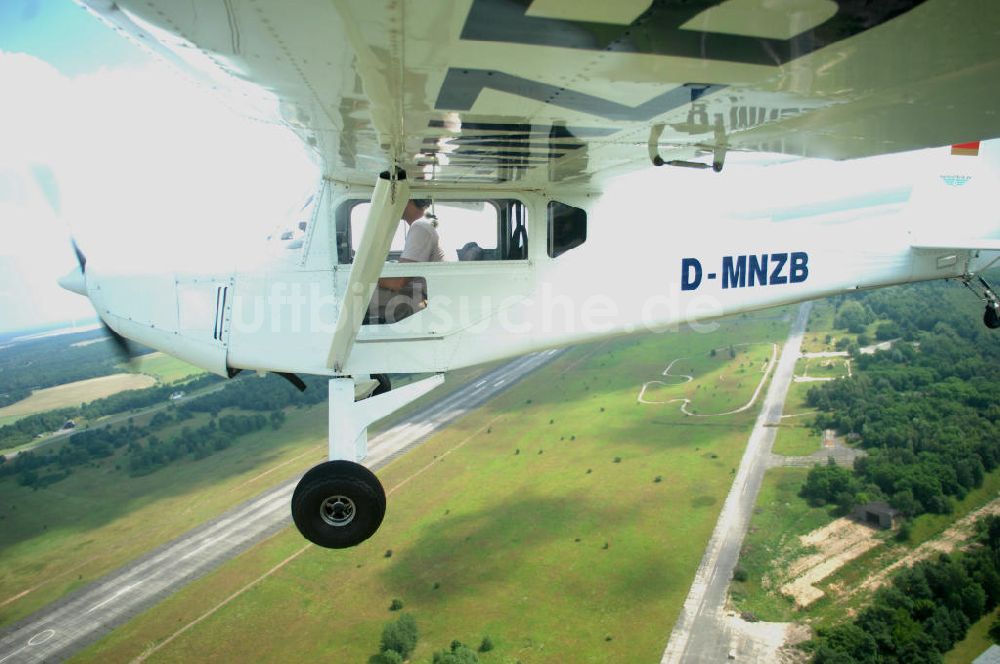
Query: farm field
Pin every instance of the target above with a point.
(74, 394)
(164, 368)
(564, 519)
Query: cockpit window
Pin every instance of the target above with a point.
(567, 228)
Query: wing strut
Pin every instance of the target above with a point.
(388, 200)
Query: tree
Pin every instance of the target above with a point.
(847, 644)
(400, 636)
(995, 631)
(853, 316)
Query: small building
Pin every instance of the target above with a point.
(878, 514)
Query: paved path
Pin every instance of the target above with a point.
(701, 633)
(58, 631)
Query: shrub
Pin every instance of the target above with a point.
(740, 574)
(396, 605)
(386, 657)
(458, 654)
(486, 645)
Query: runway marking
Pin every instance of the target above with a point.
(36, 640)
(114, 597)
(461, 444)
(150, 652)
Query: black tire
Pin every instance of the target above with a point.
(338, 504)
(991, 318)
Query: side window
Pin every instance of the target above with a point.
(468, 230)
(567, 228)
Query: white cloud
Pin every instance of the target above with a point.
(151, 170)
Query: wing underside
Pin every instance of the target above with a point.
(515, 92)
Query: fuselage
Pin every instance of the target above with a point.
(638, 270)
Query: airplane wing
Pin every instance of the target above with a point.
(493, 92)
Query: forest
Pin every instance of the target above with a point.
(924, 612)
(926, 411)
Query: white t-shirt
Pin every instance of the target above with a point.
(422, 243)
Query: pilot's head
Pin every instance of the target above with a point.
(415, 209)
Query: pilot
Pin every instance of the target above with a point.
(396, 298)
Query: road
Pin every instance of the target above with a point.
(61, 629)
(701, 633)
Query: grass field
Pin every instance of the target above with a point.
(975, 642)
(516, 521)
(795, 402)
(780, 516)
(74, 394)
(796, 440)
(164, 368)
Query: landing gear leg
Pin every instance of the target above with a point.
(341, 503)
(991, 317)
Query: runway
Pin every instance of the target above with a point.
(701, 633)
(68, 625)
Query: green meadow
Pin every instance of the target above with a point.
(797, 439)
(164, 368)
(564, 519)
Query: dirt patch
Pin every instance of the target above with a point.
(768, 641)
(836, 544)
(952, 538)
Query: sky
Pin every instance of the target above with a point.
(105, 142)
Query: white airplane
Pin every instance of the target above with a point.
(512, 117)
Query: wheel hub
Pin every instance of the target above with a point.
(337, 511)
